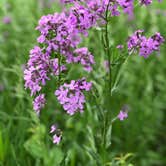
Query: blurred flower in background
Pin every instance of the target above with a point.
(120, 46)
(7, 20)
(106, 65)
(45, 4)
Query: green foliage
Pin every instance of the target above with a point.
(25, 139)
(36, 147)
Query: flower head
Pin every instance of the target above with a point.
(39, 103)
(56, 139)
(71, 95)
(7, 20)
(122, 115)
(146, 46)
(53, 128)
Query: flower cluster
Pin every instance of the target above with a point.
(145, 45)
(84, 57)
(71, 95)
(62, 32)
(37, 69)
(146, 2)
(99, 7)
(39, 103)
(59, 40)
(60, 35)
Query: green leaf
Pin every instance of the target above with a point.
(108, 136)
(35, 147)
(54, 157)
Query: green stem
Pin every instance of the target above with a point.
(107, 49)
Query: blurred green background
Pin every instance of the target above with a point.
(24, 139)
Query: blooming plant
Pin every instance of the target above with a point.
(61, 35)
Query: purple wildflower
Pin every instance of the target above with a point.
(127, 6)
(84, 57)
(146, 46)
(134, 40)
(7, 20)
(122, 115)
(53, 128)
(57, 134)
(71, 95)
(145, 2)
(120, 46)
(56, 139)
(37, 70)
(39, 103)
(60, 37)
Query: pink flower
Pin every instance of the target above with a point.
(56, 139)
(7, 20)
(39, 103)
(120, 46)
(122, 115)
(71, 96)
(53, 128)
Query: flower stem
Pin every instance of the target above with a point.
(108, 54)
(107, 49)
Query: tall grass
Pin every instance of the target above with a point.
(24, 139)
